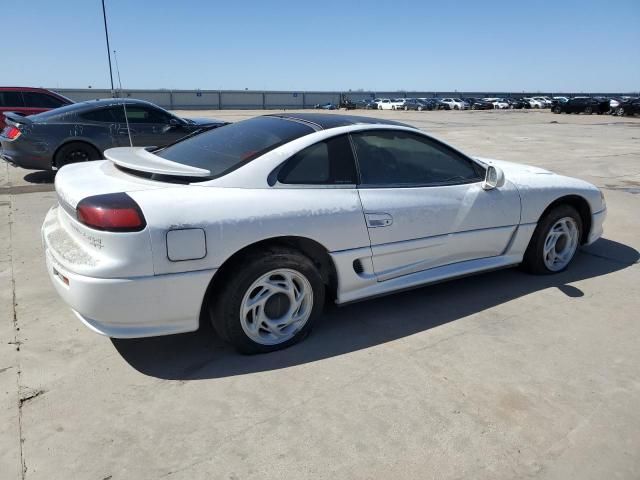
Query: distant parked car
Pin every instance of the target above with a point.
(325, 106)
(498, 103)
(545, 101)
(398, 103)
(581, 105)
(518, 103)
(83, 131)
(28, 101)
(416, 104)
(478, 104)
(366, 104)
(455, 103)
(429, 103)
(533, 103)
(385, 104)
(628, 107)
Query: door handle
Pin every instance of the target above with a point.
(375, 220)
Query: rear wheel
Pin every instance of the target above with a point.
(557, 110)
(588, 110)
(620, 111)
(554, 241)
(75, 152)
(270, 302)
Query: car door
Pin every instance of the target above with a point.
(148, 126)
(424, 204)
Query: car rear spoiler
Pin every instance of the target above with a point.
(17, 118)
(142, 160)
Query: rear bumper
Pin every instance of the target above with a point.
(132, 307)
(597, 228)
(21, 156)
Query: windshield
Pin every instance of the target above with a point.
(226, 148)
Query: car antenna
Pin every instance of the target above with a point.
(124, 103)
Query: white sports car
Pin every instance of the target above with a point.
(254, 224)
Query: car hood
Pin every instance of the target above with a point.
(514, 170)
(206, 121)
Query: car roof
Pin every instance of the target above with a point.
(325, 121)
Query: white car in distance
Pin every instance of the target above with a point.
(533, 102)
(252, 225)
(455, 103)
(498, 103)
(385, 104)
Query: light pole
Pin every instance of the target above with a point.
(106, 34)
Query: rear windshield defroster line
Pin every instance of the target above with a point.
(227, 148)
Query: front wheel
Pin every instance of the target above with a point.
(269, 302)
(588, 110)
(557, 110)
(554, 242)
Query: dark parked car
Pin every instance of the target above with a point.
(628, 107)
(413, 104)
(83, 131)
(367, 104)
(586, 105)
(28, 101)
(346, 103)
(478, 104)
(518, 103)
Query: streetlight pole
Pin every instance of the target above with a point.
(106, 34)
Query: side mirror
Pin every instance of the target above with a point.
(494, 178)
(174, 122)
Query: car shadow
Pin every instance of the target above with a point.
(201, 355)
(40, 176)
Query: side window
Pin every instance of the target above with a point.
(104, 115)
(11, 99)
(325, 163)
(398, 158)
(145, 115)
(41, 100)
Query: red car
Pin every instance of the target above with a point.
(28, 101)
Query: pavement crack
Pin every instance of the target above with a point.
(29, 394)
(17, 342)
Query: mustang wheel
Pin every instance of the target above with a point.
(554, 242)
(270, 302)
(75, 152)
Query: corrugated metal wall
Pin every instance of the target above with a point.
(251, 99)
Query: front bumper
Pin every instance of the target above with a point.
(597, 226)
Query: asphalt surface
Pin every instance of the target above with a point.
(498, 376)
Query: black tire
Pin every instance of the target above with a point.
(620, 111)
(533, 261)
(588, 110)
(557, 110)
(75, 152)
(225, 307)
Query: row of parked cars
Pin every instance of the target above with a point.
(588, 105)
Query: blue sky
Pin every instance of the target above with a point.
(486, 45)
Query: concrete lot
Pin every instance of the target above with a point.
(498, 376)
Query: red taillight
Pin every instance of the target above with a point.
(114, 212)
(12, 133)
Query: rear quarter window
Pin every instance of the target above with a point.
(11, 99)
(226, 148)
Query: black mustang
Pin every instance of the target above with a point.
(83, 131)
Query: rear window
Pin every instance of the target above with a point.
(226, 148)
(11, 99)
